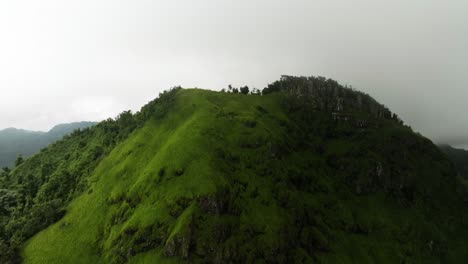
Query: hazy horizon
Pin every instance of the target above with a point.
(88, 61)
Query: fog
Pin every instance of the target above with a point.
(64, 61)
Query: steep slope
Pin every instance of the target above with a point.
(14, 142)
(230, 178)
(34, 194)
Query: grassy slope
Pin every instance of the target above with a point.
(131, 172)
(220, 177)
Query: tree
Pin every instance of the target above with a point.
(244, 90)
(8, 200)
(256, 91)
(125, 118)
(235, 90)
(19, 160)
(5, 173)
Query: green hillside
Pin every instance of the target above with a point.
(14, 142)
(308, 172)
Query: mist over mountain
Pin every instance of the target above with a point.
(14, 142)
(221, 142)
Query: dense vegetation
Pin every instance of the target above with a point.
(35, 193)
(459, 157)
(14, 142)
(307, 171)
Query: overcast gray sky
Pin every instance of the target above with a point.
(63, 61)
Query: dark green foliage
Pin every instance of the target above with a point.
(35, 194)
(157, 108)
(244, 90)
(8, 201)
(19, 160)
(459, 157)
(256, 91)
(319, 93)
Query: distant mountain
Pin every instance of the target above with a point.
(459, 157)
(18, 141)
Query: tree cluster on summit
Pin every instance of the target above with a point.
(322, 94)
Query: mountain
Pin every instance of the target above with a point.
(459, 157)
(308, 172)
(14, 142)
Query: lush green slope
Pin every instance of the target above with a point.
(234, 178)
(307, 172)
(14, 142)
(154, 179)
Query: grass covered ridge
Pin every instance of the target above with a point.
(156, 181)
(235, 178)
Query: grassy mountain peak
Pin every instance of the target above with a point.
(310, 171)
